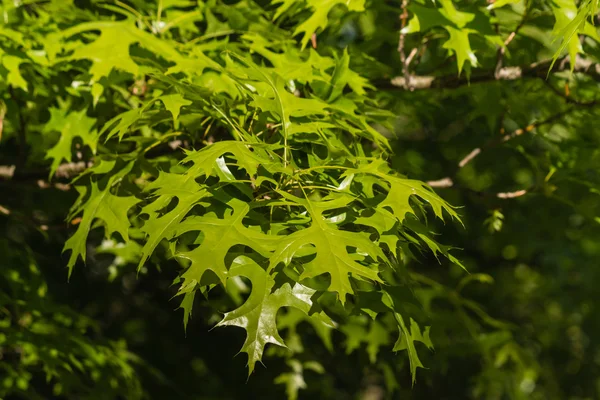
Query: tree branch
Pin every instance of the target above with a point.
(509, 39)
(65, 172)
(403, 59)
(448, 182)
(536, 70)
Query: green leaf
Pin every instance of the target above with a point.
(570, 21)
(407, 336)
(400, 191)
(220, 234)
(14, 77)
(188, 193)
(70, 125)
(406, 341)
(459, 18)
(163, 226)
(111, 49)
(258, 314)
(453, 21)
(173, 103)
(187, 305)
(425, 18)
(320, 322)
(285, 5)
(13, 35)
(459, 44)
(293, 381)
(343, 76)
(502, 3)
(247, 156)
(103, 205)
(318, 20)
(123, 121)
(330, 245)
(377, 337)
(279, 101)
(290, 64)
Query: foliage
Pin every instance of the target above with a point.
(270, 166)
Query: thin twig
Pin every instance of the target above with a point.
(313, 40)
(509, 39)
(535, 70)
(2, 115)
(512, 195)
(403, 59)
(441, 183)
(412, 55)
(65, 172)
(474, 153)
(448, 182)
(567, 97)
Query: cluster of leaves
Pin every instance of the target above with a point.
(258, 205)
(498, 136)
(244, 144)
(44, 339)
(282, 179)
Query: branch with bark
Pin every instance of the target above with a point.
(448, 182)
(403, 58)
(509, 39)
(536, 70)
(67, 171)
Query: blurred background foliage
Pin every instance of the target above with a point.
(522, 325)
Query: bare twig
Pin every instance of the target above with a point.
(403, 59)
(411, 55)
(566, 95)
(474, 153)
(535, 70)
(64, 171)
(7, 171)
(511, 195)
(417, 82)
(2, 114)
(70, 170)
(448, 182)
(313, 40)
(441, 183)
(509, 39)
